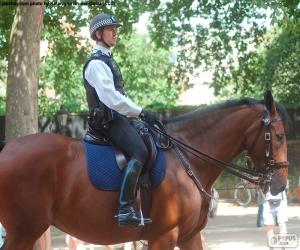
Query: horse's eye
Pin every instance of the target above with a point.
(279, 137)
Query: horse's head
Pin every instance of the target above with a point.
(266, 145)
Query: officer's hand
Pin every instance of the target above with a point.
(149, 117)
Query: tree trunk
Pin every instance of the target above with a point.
(22, 76)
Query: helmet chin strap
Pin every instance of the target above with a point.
(100, 40)
(105, 44)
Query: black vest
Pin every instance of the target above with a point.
(91, 94)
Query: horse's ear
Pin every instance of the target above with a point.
(269, 102)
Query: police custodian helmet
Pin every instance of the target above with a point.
(102, 20)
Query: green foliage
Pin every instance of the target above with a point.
(7, 15)
(214, 33)
(282, 65)
(146, 70)
(223, 36)
(274, 66)
(61, 72)
(3, 68)
(2, 104)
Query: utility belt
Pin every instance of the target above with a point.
(101, 116)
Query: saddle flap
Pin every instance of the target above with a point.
(104, 172)
(97, 139)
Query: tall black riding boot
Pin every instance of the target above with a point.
(127, 215)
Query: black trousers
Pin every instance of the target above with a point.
(124, 135)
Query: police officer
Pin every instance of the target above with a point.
(110, 109)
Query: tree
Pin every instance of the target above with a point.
(147, 72)
(281, 70)
(222, 35)
(22, 76)
(7, 14)
(275, 66)
(61, 72)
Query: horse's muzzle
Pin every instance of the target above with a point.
(277, 185)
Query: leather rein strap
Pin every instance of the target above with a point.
(230, 167)
(189, 170)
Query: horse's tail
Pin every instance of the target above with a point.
(2, 144)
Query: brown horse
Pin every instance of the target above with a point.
(44, 180)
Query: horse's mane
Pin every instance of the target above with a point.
(251, 102)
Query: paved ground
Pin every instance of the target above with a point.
(234, 228)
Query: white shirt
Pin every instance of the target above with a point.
(99, 76)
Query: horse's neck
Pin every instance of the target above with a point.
(220, 135)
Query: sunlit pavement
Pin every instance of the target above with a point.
(234, 227)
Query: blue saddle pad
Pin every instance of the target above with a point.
(104, 171)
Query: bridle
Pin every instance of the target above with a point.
(254, 175)
(270, 164)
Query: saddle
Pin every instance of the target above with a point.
(142, 128)
(153, 141)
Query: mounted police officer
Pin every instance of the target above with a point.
(111, 109)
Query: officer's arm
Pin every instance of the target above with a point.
(99, 75)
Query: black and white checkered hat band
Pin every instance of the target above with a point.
(102, 23)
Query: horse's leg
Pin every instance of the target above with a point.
(165, 241)
(18, 241)
(23, 237)
(194, 243)
(17, 245)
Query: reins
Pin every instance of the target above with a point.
(230, 167)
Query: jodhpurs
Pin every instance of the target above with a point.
(124, 135)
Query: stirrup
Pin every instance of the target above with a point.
(131, 219)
